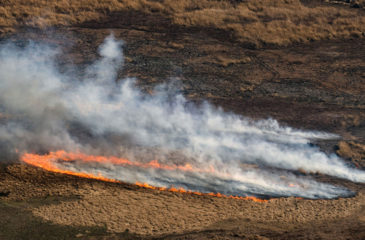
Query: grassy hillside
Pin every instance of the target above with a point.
(256, 22)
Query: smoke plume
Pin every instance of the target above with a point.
(44, 110)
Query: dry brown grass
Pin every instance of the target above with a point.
(258, 22)
(64, 200)
(275, 22)
(353, 151)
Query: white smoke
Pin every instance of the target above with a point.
(97, 113)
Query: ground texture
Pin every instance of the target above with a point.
(309, 83)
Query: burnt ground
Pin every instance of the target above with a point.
(319, 86)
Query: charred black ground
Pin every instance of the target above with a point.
(318, 85)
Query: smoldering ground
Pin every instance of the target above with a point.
(97, 113)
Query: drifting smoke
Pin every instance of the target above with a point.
(94, 113)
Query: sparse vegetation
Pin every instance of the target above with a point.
(255, 22)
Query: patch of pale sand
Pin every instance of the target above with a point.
(152, 212)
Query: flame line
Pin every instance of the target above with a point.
(45, 162)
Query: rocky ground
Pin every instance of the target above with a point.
(317, 85)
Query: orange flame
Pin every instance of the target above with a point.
(46, 162)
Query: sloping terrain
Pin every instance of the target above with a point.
(300, 62)
(78, 207)
(252, 23)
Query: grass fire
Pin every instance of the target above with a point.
(45, 162)
(182, 119)
(199, 148)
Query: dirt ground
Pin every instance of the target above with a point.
(318, 85)
(40, 205)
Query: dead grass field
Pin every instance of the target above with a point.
(315, 86)
(254, 22)
(53, 206)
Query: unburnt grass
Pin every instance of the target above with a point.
(255, 23)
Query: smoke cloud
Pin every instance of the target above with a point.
(96, 113)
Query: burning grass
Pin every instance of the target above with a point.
(199, 148)
(51, 206)
(46, 162)
(255, 22)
